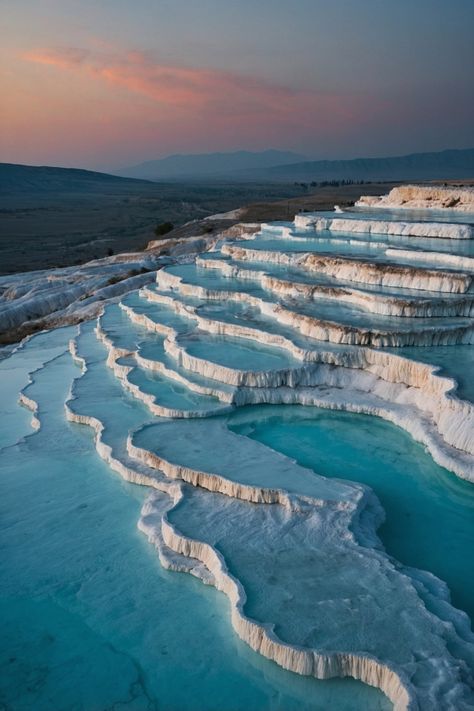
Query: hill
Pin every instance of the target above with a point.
(208, 165)
(442, 165)
(15, 178)
(55, 217)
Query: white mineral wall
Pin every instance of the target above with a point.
(265, 642)
(403, 406)
(409, 394)
(263, 639)
(323, 329)
(386, 305)
(122, 371)
(214, 569)
(455, 261)
(32, 406)
(454, 429)
(426, 391)
(145, 321)
(404, 370)
(458, 421)
(205, 480)
(443, 230)
(458, 199)
(57, 297)
(375, 273)
(153, 510)
(406, 366)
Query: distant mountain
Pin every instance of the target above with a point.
(31, 179)
(242, 166)
(208, 165)
(448, 164)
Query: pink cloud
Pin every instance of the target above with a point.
(66, 58)
(176, 108)
(210, 91)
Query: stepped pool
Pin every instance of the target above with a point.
(91, 620)
(410, 486)
(302, 485)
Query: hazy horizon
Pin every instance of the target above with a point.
(116, 171)
(103, 86)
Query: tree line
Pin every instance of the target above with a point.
(329, 183)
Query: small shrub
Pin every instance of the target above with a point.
(163, 228)
(131, 273)
(115, 279)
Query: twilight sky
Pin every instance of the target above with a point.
(108, 83)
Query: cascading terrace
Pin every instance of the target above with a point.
(316, 313)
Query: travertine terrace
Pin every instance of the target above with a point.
(460, 199)
(316, 312)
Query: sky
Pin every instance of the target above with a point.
(106, 84)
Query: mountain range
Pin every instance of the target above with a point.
(240, 167)
(441, 165)
(286, 167)
(201, 165)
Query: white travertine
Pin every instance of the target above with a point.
(355, 377)
(442, 230)
(430, 197)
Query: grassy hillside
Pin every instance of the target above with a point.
(58, 216)
(16, 179)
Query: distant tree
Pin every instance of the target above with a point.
(163, 228)
(110, 251)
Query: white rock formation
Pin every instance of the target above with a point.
(405, 392)
(311, 524)
(325, 329)
(375, 302)
(54, 297)
(423, 196)
(442, 230)
(359, 270)
(297, 555)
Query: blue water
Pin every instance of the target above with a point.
(169, 393)
(452, 246)
(297, 274)
(14, 370)
(90, 620)
(343, 244)
(429, 511)
(338, 312)
(239, 353)
(159, 313)
(405, 215)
